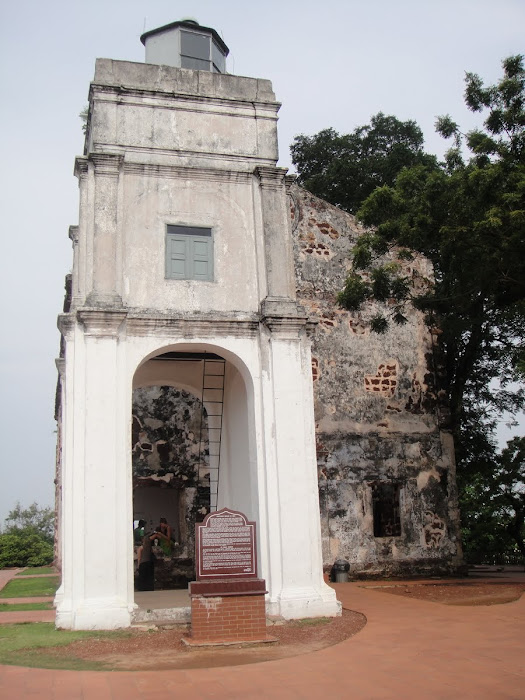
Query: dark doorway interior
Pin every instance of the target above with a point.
(385, 502)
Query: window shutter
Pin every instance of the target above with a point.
(202, 258)
(189, 253)
(177, 257)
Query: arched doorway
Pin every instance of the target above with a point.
(190, 452)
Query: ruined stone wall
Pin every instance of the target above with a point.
(169, 436)
(380, 417)
(170, 451)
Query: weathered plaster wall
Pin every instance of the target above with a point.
(187, 112)
(379, 413)
(169, 436)
(149, 205)
(169, 450)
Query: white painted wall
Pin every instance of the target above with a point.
(169, 146)
(149, 205)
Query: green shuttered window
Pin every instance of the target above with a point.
(189, 253)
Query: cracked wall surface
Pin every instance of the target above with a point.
(169, 436)
(170, 450)
(380, 414)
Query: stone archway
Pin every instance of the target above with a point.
(180, 443)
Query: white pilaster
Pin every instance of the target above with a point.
(295, 580)
(96, 557)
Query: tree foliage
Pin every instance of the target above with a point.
(27, 538)
(493, 504)
(345, 168)
(24, 548)
(84, 117)
(34, 518)
(468, 218)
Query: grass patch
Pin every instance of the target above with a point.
(312, 621)
(28, 644)
(9, 607)
(30, 587)
(37, 570)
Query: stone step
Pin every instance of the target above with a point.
(162, 615)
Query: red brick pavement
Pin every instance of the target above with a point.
(14, 616)
(36, 599)
(10, 617)
(6, 575)
(409, 650)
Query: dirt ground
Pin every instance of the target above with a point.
(163, 648)
(464, 593)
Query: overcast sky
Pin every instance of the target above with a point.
(334, 63)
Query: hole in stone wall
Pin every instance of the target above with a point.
(386, 509)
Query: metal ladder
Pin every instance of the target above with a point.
(213, 403)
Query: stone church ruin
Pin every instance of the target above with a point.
(205, 364)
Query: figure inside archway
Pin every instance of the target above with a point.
(164, 535)
(146, 559)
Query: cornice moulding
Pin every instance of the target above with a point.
(186, 172)
(124, 92)
(191, 327)
(289, 328)
(182, 103)
(109, 323)
(101, 323)
(81, 166)
(271, 177)
(180, 155)
(107, 164)
(66, 324)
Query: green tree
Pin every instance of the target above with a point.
(345, 168)
(468, 218)
(27, 538)
(493, 505)
(34, 519)
(23, 548)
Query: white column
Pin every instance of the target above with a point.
(72, 501)
(295, 581)
(96, 591)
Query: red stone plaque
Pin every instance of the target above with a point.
(225, 546)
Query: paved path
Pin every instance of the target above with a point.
(11, 617)
(6, 575)
(35, 599)
(14, 616)
(409, 650)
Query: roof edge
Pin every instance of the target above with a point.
(189, 24)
